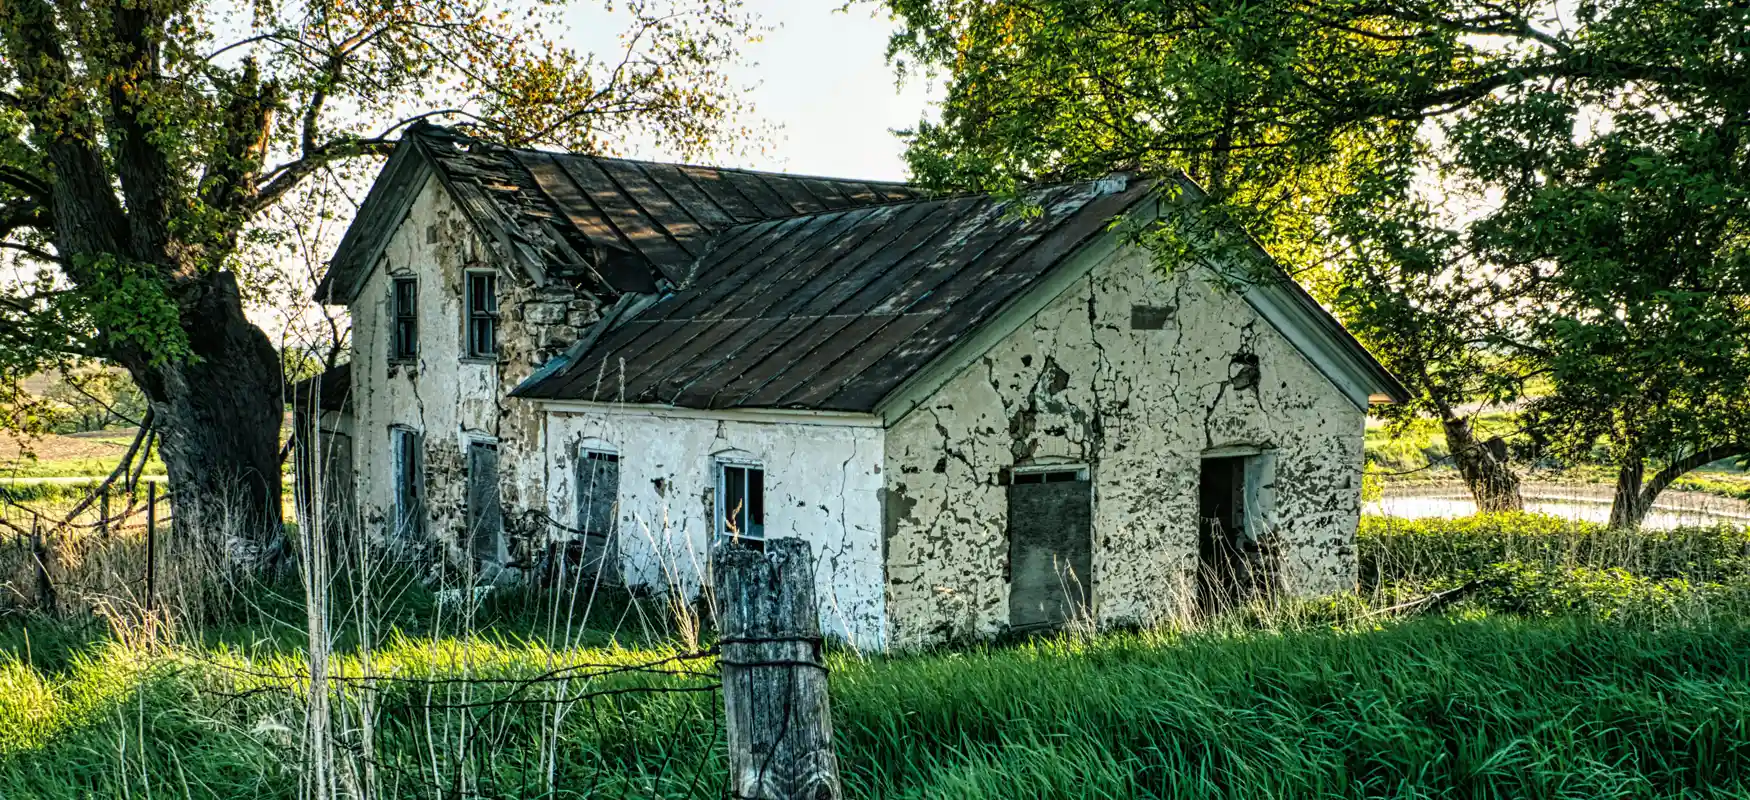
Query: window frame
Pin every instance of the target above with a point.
(399, 316)
(757, 535)
(1045, 473)
(405, 441)
(472, 315)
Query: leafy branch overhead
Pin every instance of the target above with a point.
(142, 142)
(1490, 194)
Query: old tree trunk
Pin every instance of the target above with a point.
(218, 414)
(1636, 493)
(142, 249)
(1483, 466)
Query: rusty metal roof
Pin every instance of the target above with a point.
(834, 310)
(611, 225)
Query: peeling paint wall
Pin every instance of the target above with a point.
(449, 397)
(1137, 374)
(823, 483)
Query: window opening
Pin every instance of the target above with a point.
(482, 314)
(741, 503)
(405, 336)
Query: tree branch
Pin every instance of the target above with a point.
(1689, 463)
(287, 176)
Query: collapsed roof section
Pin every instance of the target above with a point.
(611, 225)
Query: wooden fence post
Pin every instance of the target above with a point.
(151, 545)
(774, 678)
(39, 550)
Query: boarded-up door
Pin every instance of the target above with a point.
(485, 514)
(598, 497)
(1050, 549)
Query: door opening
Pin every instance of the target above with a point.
(1227, 546)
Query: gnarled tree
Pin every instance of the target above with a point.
(139, 140)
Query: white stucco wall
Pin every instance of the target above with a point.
(447, 397)
(823, 479)
(1141, 406)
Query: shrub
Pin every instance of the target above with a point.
(1544, 566)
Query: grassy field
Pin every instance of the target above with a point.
(1575, 662)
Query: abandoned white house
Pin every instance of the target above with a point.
(983, 414)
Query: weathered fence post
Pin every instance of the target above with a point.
(39, 550)
(774, 677)
(151, 545)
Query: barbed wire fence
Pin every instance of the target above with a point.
(493, 705)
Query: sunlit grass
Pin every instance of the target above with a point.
(1563, 697)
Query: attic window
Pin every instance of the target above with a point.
(482, 315)
(404, 337)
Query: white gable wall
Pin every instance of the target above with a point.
(823, 484)
(1078, 383)
(446, 397)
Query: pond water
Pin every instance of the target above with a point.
(1459, 504)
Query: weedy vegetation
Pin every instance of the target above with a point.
(1562, 660)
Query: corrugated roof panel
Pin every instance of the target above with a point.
(637, 227)
(974, 295)
(674, 219)
(795, 195)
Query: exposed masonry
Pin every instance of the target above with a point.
(1133, 373)
(450, 399)
(1137, 375)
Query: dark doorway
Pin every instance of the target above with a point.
(598, 513)
(1051, 543)
(1221, 533)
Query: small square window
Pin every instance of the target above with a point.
(741, 502)
(482, 314)
(404, 336)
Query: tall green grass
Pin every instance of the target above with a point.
(1436, 707)
(1543, 685)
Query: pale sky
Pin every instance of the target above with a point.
(820, 79)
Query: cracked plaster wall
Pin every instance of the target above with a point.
(1134, 373)
(448, 397)
(823, 484)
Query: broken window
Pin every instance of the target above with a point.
(741, 501)
(404, 337)
(1051, 543)
(482, 314)
(598, 496)
(485, 513)
(409, 465)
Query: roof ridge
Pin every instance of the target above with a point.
(444, 132)
(964, 195)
